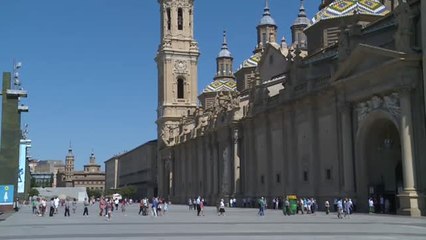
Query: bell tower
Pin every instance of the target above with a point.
(177, 64)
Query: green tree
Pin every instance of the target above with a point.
(128, 192)
(96, 193)
(33, 192)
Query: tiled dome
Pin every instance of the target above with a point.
(227, 85)
(342, 8)
(252, 61)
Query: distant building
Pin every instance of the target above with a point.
(42, 179)
(111, 172)
(44, 172)
(91, 177)
(137, 168)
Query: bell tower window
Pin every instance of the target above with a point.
(168, 19)
(180, 88)
(180, 19)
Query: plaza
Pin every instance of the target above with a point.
(179, 223)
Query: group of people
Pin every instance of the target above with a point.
(379, 204)
(344, 208)
(157, 206)
(197, 204)
(39, 206)
(108, 205)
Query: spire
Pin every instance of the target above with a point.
(92, 158)
(70, 151)
(266, 11)
(224, 52)
(224, 44)
(302, 18)
(302, 12)
(267, 19)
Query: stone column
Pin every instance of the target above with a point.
(226, 167)
(347, 147)
(409, 198)
(314, 174)
(160, 173)
(237, 164)
(423, 29)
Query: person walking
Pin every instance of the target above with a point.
(34, 205)
(86, 205)
(371, 205)
(347, 207)
(190, 204)
(222, 208)
(56, 204)
(198, 202)
(52, 207)
(116, 202)
(74, 205)
(339, 209)
(67, 208)
(102, 206)
(262, 204)
(202, 206)
(327, 207)
(140, 207)
(286, 209)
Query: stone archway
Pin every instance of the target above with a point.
(378, 163)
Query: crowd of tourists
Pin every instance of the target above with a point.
(40, 206)
(156, 206)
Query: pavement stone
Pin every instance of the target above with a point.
(180, 223)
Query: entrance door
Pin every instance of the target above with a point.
(379, 172)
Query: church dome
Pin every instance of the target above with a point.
(224, 53)
(267, 19)
(343, 8)
(223, 85)
(302, 18)
(251, 62)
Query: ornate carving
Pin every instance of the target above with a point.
(180, 66)
(389, 103)
(168, 133)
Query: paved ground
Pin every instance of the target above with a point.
(180, 224)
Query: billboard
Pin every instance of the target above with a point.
(22, 164)
(6, 194)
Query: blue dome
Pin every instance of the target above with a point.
(301, 17)
(267, 20)
(302, 21)
(224, 53)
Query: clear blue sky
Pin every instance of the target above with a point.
(89, 68)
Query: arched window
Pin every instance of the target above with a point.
(180, 19)
(180, 88)
(168, 19)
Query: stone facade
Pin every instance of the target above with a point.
(137, 168)
(344, 119)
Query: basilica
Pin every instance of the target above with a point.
(338, 111)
